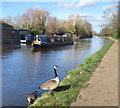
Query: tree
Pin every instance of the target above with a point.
(106, 32)
(111, 18)
(17, 21)
(52, 26)
(78, 26)
(94, 33)
(82, 27)
(69, 25)
(8, 20)
(35, 20)
(41, 20)
(61, 29)
(88, 28)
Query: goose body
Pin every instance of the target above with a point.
(32, 97)
(51, 84)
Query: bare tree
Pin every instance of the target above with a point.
(111, 20)
(69, 25)
(52, 26)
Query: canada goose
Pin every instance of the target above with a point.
(51, 84)
(32, 97)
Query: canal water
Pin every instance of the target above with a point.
(24, 68)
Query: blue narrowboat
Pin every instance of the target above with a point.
(51, 41)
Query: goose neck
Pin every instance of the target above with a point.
(55, 73)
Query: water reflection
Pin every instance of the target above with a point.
(25, 68)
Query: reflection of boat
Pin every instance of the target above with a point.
(34, 50)
(52, 41)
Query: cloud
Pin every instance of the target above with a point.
(95, 20)
(36, 6)
(85, 15)
(92, 17)
(80, 5)
(110, 7)
(85, 3)
(66, 5)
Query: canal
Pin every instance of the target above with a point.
(24, 68)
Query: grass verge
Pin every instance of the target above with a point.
(70, 87)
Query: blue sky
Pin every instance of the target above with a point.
(85, 8)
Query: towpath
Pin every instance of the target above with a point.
(103, 88)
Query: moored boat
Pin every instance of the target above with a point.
(52, 41)
(27, 39)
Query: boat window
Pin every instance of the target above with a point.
(63, 39)
(22, 37)
(52, 39)
(58, 39)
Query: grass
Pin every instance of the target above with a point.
(69, 88)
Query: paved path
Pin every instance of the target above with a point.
(103, 88)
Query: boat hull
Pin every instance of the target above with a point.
(54, 44)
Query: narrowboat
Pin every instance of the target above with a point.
(52, 41)
(27, 39)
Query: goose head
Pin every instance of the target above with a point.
(55, 67)
(32, 97)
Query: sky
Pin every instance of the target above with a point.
(93, 10)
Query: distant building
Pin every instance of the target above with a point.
(9, 34)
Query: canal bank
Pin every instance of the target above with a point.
(103, 89)
(77, 80)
